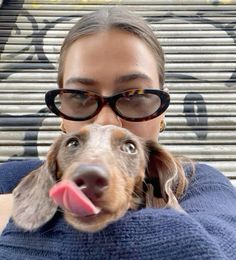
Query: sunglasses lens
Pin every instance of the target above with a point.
(76, 105)
(138, 106)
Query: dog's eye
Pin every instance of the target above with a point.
(129, 147)
(73, 142)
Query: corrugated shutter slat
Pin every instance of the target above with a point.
(198, 38)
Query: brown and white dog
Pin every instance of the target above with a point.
(95, 176)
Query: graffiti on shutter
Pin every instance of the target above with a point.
(199, 43)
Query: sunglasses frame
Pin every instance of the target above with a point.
(111, 101)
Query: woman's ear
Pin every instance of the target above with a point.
(32, 206)
(165, 178)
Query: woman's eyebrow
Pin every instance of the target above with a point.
(132, 77)
(119, 80)
(81, 80)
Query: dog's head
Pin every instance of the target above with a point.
(112, 169)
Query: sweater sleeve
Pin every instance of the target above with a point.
(207, 231)
(11, 173)
(210, 201)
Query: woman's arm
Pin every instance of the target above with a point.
(6, 201)
(13, 171)
(211, 202)
(10, 174)
(207, 231)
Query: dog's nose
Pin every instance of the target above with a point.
(92, 180)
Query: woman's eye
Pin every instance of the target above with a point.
(72, 143)
(129, 147)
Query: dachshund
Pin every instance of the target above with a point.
(95, 176)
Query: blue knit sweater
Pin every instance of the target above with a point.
(208, 231)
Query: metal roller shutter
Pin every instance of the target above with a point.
(198, 37)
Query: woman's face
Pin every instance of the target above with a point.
(107, 63)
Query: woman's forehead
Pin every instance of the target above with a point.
(110, 54)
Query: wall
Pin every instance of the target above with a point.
(198, 37)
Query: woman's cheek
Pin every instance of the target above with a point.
(149, 130)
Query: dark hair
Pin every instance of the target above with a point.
(113, 18)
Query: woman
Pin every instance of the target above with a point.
(109, 52)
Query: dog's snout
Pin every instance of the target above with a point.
(92, 180)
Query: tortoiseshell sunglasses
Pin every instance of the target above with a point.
(132, 105)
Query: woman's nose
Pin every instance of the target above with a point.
(107, 117)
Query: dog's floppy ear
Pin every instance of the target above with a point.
(32, 206)
(165, 178)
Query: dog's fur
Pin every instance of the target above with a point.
(148, 176)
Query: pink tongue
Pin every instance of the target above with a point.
(68, 196)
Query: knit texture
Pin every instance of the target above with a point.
(207, 231)
(11, 173)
